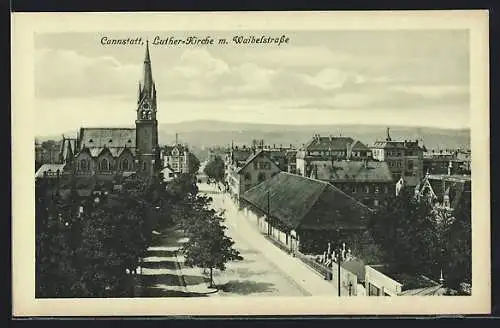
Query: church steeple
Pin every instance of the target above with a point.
(148, 74)
(147, 91)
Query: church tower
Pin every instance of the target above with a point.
(147, 149)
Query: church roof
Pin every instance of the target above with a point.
(107, 137)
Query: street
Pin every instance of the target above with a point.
(266, 269)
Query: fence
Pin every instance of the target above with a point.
(348, 280)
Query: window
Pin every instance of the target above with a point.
(376, 189)
(367, 189)
(261, 177)
(104, 165)
(248, 177)
(125, 165)
(353, 190)
(83, 165)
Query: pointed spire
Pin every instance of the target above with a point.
(148, 75)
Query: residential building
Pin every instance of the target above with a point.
(291, 156)
(384, 280)
(167, 173)
(404, 158)
(370, 182)
(441, 161)
(108, 152)
(304, 214)
(177, 157)
(256, 169)
(328, 148)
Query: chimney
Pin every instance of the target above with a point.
(176, 139)
(388, 136)
(331, 137)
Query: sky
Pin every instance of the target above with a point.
(393, 77)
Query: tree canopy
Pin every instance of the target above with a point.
(215, 169)
(417, 237)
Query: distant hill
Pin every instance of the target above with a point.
(205, 133)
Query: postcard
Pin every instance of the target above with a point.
(250, 163)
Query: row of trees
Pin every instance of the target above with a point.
(88, 254)
(208, 246)
(417, 237)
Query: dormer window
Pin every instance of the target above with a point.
(91, 140)
(129, 141)
(110, 141)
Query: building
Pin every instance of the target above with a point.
(107, 152)
(383, 280)
(443, 161)
(291, 155)
(404, 158)
(448, 192)
(167, 173)
(177, 157)
(47, 152)
(256, 169)
(304, 214)
(329, 148)
(370, 182)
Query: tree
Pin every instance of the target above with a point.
(406, 233)
(421, 238)
(194, 163)
(114, 238)
(56, 273)
(215, 169)
(208, 246)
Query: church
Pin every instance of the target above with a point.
(110, 152)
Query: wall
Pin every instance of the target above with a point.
(385, 284)
(260, 165)
(358, 190)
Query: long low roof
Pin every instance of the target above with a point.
(304, 203)
(50, 170)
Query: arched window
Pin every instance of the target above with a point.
(261, 177)
(83, 165)
(125, 166)
(104, 165)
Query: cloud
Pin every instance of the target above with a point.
(65, 73)
(369, 95)
(199, 75)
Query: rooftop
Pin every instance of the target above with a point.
(107, 137)
(353, 171)
(300, 202)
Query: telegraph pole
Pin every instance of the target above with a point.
(268, 213)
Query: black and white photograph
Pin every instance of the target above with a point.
(253, 163)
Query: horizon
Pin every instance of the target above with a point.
(397, 126)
